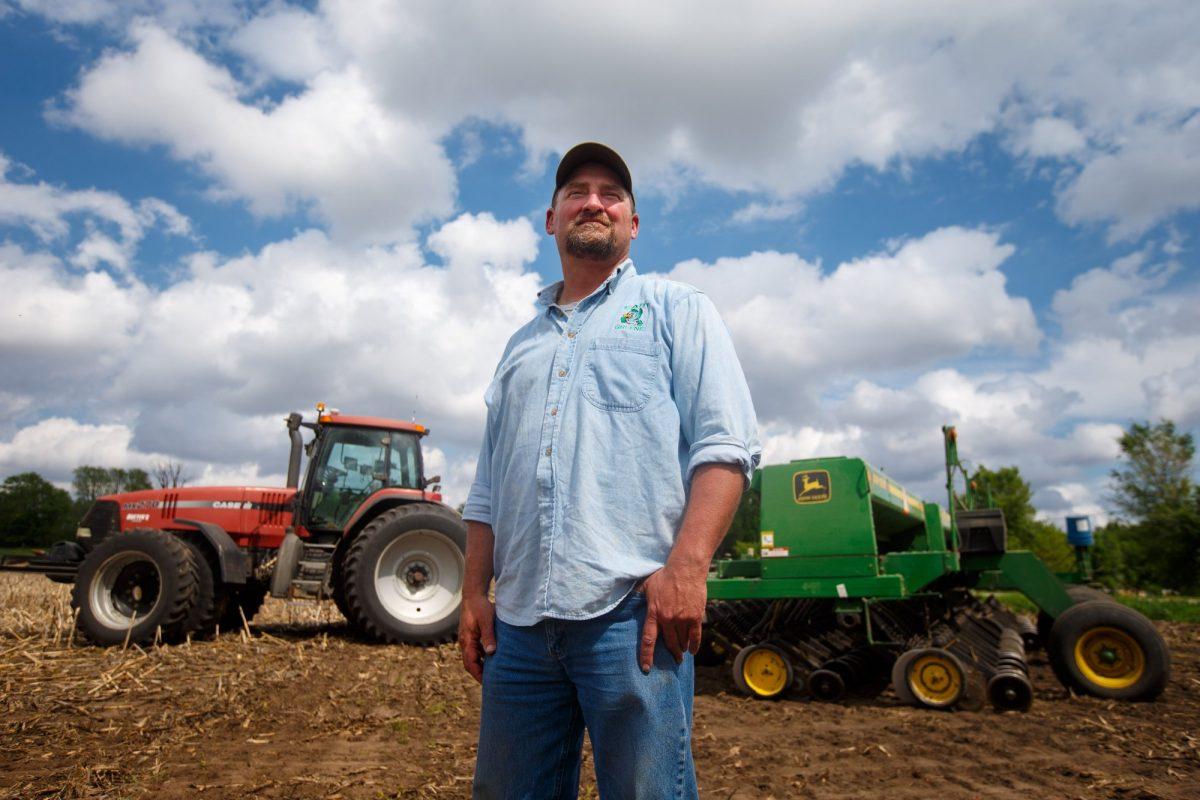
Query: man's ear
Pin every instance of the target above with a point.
(633, 226)
(550, 221)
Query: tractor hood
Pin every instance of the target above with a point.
(242, 511)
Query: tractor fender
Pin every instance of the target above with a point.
(381, 501)
(233, 561)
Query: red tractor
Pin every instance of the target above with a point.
(368, 530)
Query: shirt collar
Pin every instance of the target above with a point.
(547, 296)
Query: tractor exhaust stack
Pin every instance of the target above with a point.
(293, 473)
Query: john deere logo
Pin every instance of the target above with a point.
(632, 318)
(811, 486)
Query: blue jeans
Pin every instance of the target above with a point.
(546, 682)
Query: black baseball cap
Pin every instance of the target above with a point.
(592, 153)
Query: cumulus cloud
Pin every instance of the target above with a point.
(775, 100)
(1050, 137)
(1131, 336)
(206, 368)
(115, 227)
(937, 297)
(368, 172)
(182, 15)
(1153, 174)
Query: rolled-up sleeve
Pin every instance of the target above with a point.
(478, 507)
(715, 409)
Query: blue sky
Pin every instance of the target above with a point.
(212, 214)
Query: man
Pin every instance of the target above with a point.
(620, 436)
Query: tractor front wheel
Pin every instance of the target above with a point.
(1105, 649)
(403, 574)
(134, 584)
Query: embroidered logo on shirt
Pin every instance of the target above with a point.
(633, 318)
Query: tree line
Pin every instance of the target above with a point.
(36, 513)
(1152, 541)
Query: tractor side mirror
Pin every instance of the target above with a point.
(431, 481)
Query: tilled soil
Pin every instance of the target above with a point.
(296, 707)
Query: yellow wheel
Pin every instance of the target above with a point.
(1110, 657)
(1105, 649)
(936, 678)
(762, 670)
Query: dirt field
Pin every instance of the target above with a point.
(296, 708)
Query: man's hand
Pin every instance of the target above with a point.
(675, 595)
(476, 633)
(675, 598)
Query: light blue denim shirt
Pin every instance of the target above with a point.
(595, 424)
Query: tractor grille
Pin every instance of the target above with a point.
(102, 519)
(274, 508)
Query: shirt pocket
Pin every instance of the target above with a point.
(618, 374)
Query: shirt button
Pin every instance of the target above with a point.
(570, 334)
(554, 412)
(548, 449)
(562, 373)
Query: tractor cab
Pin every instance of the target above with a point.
(353, 458)
(351, 461)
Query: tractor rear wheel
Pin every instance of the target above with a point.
(1105, 649)
(134, 584)
(403, 575)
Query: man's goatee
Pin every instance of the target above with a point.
(592, 247)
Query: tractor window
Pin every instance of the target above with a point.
(405, 467)
(353, 464)
(350, 468)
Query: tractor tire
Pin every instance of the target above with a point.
(1105, 649)
(935, 677)
(245, 600)
(209, 602)
(762, 671)
(403, 575)
(133, 585)
(900, 678)
(337, 592)
(1078, 594)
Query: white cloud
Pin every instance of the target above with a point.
(763, 98)
(937, 297)
(115, 228)
(766, 212)
(287, 43)
(1152, 175)
(60, 329)
(370, 173)
(184, 15)
(56, 446)
(1130, 338)
(1050, 137)
(205, 369)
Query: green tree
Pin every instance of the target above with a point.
(33, 511)
(1012, 494)
(91, 482)
(1155, 542)
(1155, 472)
